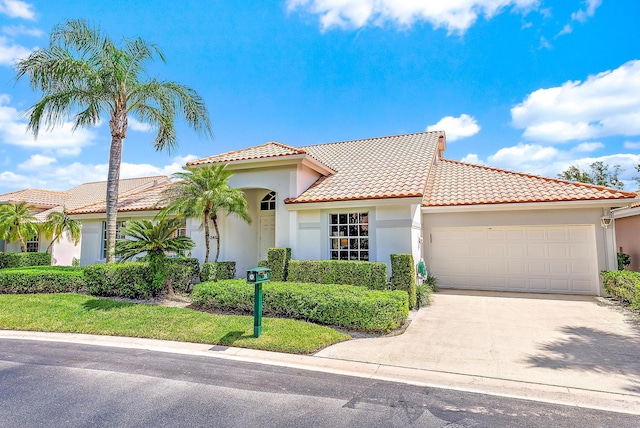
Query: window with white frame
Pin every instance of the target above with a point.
(119, 225)
(268, 203)
(349, 236)
(33, 244)
(181, 231)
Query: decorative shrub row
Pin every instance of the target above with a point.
(133, 280)
(403, 276)
(346, 306)
(623, 285)
(278, 261)
(11, 260)
(41, 279)
(372, 275)
(217, 271)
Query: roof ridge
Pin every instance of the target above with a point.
(120, 179)
(373, 138)
(557, 180)
(103, 201)
(286, 146)
(237, 151)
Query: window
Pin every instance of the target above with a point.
(268, 203)
(349, 236)
(119, 224)
(182, 231)
(33, 244)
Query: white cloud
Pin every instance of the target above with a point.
(36, 161)
(62, 139)
(10, 52)
(17, 9)
(456, 16)
(588, 147)
(632, 145)
(19, 30)
(581, 16)
(456, 127)
(605, 104)
(136, 125)
(472, 158)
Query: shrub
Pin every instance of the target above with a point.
(263, 263)
(423, 295)
(217, 271)
(41, 279)
(623, 285)
(193, 266)
(372, 275)
(403, 276)
(278, 262)
(11, 260)
(624, 260)
(341, 305)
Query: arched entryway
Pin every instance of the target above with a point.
(267, 224)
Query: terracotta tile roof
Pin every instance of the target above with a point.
(38, 197)
(42, 215)
(268, 150)
(375, 168)
(89, 193)
(142, 200)
(455, 183)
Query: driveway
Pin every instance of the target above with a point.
(569, 341)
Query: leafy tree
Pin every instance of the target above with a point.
(59, 223)
(83, 71)
(203, 193)
(597, 174)
(155, 239)
(18, 224)
(637, 179)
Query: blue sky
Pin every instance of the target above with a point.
(527, 85)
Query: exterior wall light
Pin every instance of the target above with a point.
(605, 221)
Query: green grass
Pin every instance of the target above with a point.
(78, 313)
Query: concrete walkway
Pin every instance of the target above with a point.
(559, 349)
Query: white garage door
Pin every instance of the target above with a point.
(545, 259)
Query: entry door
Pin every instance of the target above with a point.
(267, 234)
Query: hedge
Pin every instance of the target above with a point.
(355, 308)
(132, 280)
(403, 276)
(12, 260)
(278, 262)
(623, 285)
(41, 279)
(372, 275)
(216, 271)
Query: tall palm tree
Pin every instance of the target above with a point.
(203, 193)
(17, 223)
(59, 223)
(84, 72)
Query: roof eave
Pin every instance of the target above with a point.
(517, 206)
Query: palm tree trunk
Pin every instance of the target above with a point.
(206, 235)
(23, 243)
(215, 225)
(118, 126)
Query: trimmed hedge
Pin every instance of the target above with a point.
(12, 260)
(623, 285)
(403, 276)
(41, 279)
(346, 306)
(132, 280)
(372, 275)
(217, 271)
(278, 262)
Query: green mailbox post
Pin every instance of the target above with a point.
(257, 276)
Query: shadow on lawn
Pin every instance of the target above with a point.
(231, 337)
(588, 349)
(104, 305)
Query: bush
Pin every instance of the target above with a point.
(41, 279)
(192, 264)
(372, 275)
(423, 295)
(624, 260)
(11, 260)
(346, 306)
(623, 285)
(217, 271)
(403, 276)
(278, 262)
(133, 280)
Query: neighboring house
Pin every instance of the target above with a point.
(627, 230)
(476, 227)
(45, 201)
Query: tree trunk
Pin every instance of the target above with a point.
(118, 126)
(215, 225)
(23, 243)
(206, 235)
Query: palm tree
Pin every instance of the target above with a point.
(59, 223)
(143, 236)
(203, 193)
(17, 223)
(84, 71)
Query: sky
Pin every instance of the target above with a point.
(527, 85)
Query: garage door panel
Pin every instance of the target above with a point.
(560, 259)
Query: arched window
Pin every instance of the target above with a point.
(268, 203)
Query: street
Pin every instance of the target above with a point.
(71, 385)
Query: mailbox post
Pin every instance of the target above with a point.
(258, 276)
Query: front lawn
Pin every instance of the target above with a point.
(78, 313)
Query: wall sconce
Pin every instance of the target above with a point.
(605, 221)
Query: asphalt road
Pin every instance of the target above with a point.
(50, 384)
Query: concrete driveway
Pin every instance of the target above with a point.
(557, 340)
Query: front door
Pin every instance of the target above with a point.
(267, 234)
